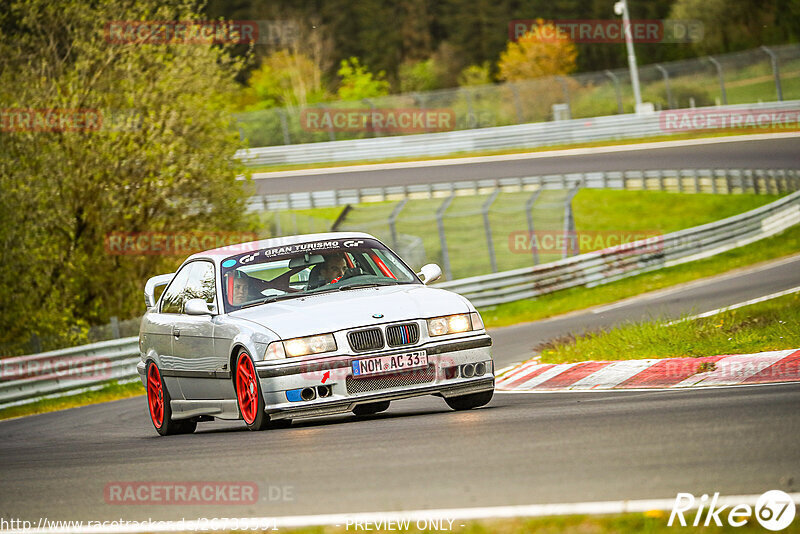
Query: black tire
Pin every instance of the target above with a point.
(249, 398)
(371, 408)
(468, 402)
(157, 392)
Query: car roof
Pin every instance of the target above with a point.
(231, 250)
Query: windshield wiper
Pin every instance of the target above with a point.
(273, 298)
(366, 284)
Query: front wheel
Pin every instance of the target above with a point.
(468, 402)
(248, 393)
(160, 411)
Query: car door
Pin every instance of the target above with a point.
(201, 370)
(161, 322)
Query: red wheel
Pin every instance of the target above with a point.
(155, 395)
(160, 411)
(248, 393)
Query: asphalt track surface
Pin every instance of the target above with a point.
(520, 449)
(516, 343)
(752, 154)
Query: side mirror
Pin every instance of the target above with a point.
(430, 273)
(197, 307)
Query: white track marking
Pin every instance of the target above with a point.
(447, 514)
(614, 374)
(521, 156)
(735, 369)
(547, 375)
(738, 305)
(517, 373)
(689, 285)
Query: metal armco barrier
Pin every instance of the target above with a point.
(530, 135)
(603, 266)
(722, 181)
(26, 378)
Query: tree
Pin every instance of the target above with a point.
(475, 75)
(285, 79)
(419, 76)
(159, 159)
(358, 82)
(537, 54)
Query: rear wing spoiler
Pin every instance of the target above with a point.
(151, 285)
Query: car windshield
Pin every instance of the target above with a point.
(289, 271)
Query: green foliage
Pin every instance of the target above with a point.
(476, 75)
(161, 161)
(682, 95)
(419, 76)
(285, 79)
(358, 82)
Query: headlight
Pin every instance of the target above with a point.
(453, 324)
(300, 346)
(275, 351)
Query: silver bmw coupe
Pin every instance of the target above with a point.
(305, 326)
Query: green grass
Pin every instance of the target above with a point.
(612, 213)
(113, 391)
(764, 326)
(569, 300)
(651, 522)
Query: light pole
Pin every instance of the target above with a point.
(621, 8)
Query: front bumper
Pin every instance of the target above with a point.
(442, 377)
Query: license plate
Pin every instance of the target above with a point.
(390, 364)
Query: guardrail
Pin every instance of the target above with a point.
(603, 266)
(27, 378)
(725, 181)
(530, 135)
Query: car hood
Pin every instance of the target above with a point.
(342, 310)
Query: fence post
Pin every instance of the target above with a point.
(565, 90)
(714, 181)
(616, 90)
(393, 219)
(331, 133)
(115, 327)
(528, 212)
(488, 229)
(470, 113)
(287, 140)
(569, 223)
(665, 74)
(517, 105)
(375, 132)
(717, 66)
(775, 72)
(443, 242)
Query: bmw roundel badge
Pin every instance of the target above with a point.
(377, 315)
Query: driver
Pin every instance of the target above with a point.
(333, 268)
(328, 272)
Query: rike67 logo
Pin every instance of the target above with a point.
(774, 510)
